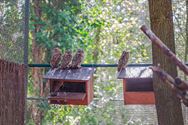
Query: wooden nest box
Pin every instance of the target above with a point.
(137, 85)
(71, 86)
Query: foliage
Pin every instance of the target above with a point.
(103, 29)
(179, 9)
(60, 25)
(11, 30)
(94, 26)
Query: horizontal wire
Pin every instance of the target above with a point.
(45, 99)
(85, 65)
(37, 98)
(95, 65)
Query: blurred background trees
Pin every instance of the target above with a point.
(103, 29)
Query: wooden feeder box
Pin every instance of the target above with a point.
(137, 85)
(73, 86)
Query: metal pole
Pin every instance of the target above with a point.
(26, 36)
(94, 65)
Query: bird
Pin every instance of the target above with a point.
(77, 59)
(55, 58)
(123, 61)
(66, 59)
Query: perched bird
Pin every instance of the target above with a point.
(77, 59)
(56, 58)
(123, 61)
(66, 59)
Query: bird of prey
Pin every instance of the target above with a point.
(55, 58)
(66, 59)
(123, 61)
(77, 59)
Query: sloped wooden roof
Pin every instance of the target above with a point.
(135, 72)
(82, 74)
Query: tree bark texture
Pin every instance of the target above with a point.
(186, 42)
(167, 104)
(38, 55)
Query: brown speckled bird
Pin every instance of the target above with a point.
(56, 58)
(66, 59)
(77, 59)
(123, 61)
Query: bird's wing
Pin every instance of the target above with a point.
(74, 60)
(120, 64)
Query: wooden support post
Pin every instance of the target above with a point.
(155, 40)
(181, 84)
(164, 76)
(180, 93)
(168, 106)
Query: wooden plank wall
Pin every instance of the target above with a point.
(12, 93)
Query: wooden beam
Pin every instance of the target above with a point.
(180, 93)
(181, 84)
(155, 40)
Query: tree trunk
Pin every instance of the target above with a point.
(37, 57)
(167, 104)
(186, 40)
(96, 45)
